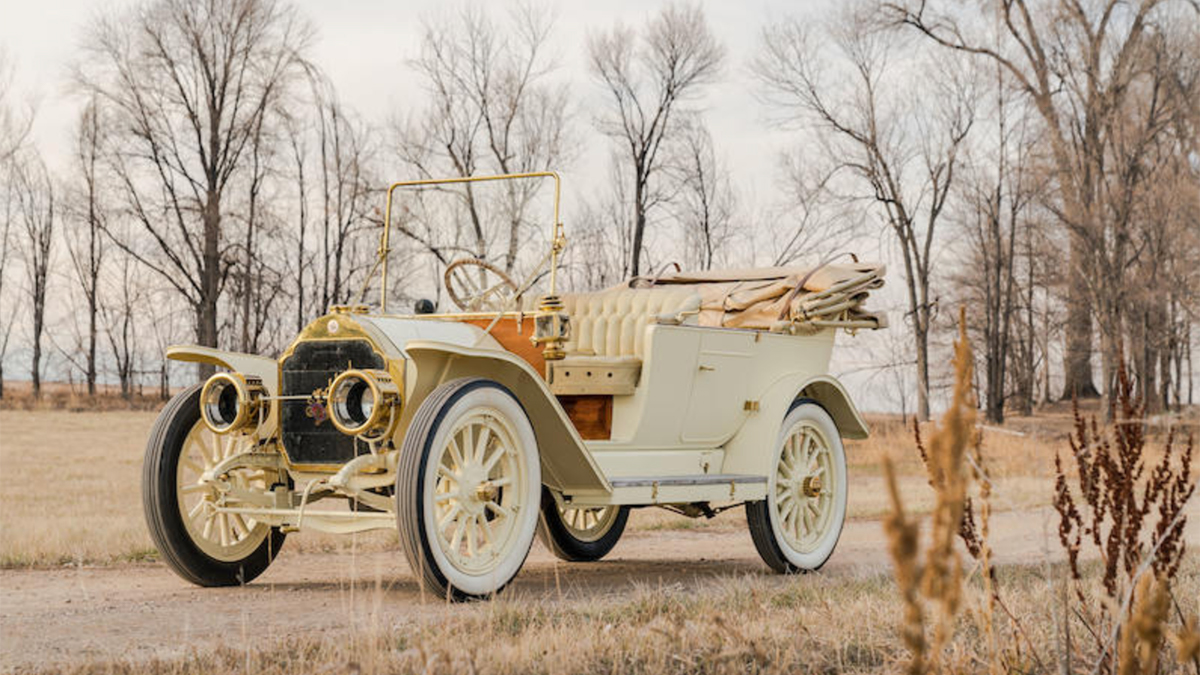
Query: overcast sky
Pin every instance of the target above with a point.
(365, 45)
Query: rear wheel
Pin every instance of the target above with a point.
(200, 544)
(797, 526)
(580, 534)
(467, 489)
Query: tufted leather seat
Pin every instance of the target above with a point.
(612, 322)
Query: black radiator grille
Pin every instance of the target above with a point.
(312, 366)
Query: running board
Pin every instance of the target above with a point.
(641, 490)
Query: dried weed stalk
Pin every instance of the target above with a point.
(1132, 513)
(1144, 632)
(937, 580)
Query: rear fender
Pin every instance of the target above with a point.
(751, 451)
(567, 465)
(262, 367)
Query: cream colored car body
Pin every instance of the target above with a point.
(695, 410)
(699, 426)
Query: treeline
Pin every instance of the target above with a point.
(1035, 162)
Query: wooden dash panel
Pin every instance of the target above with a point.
(591, 415)
(505, 332)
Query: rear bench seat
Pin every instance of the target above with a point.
(605, 344)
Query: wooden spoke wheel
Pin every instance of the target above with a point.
(478, 286)
(580, 534)
(200, 543)
(798, 525)
(467, 489)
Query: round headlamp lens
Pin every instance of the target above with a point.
(354, 402)
(366, 403)
(221, 406)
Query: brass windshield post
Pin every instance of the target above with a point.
(557, 240)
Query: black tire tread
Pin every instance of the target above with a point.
(554, 535)
(167, 530)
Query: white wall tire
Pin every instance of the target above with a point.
(797, 526)
(468, 489)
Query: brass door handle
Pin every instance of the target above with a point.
(703, 368)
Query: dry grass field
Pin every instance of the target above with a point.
(70, 492)
(71, 525)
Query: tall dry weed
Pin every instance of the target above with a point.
(1132, 514)
(1130, 509)
(931, 585)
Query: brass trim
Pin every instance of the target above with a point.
(812, 486)
(387, 403)
(318, 331)
(249, 393)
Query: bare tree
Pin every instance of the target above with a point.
(997, 193)
(1036, 320)
(870, 141)
(35, 196)
(189, 85)
(85, 235)
(649, 78)
(258, 284)
(14, 129)
(1151, 202)
(704, 202)
(598, 256)
(15, 123)
(812, 216)
(1075, 62)
(296, 130)
(345, 175)
(495, 107)
(119, 312)
(7, 310)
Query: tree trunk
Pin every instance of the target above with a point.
(922, 344)
(995, 390)
(91, 358)
(639, 226)
(36, 367)
(1077, 362)
(206, 312)
(1187, 344)
(1152, 321)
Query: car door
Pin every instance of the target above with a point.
(716, 405)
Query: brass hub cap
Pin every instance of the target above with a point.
(811, 486)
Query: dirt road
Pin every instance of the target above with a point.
(72, 615)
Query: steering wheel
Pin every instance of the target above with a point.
(478, 286)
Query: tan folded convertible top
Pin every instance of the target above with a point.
(778, 298)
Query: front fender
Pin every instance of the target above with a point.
(262, 367)
(567, 464)
(750, 451)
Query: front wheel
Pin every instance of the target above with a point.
(467, 489)
(797, 526)
(580, 534)
(201, 544)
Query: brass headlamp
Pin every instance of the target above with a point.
(230, 402)
(364, 403)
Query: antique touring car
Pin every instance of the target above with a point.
(553, 415)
